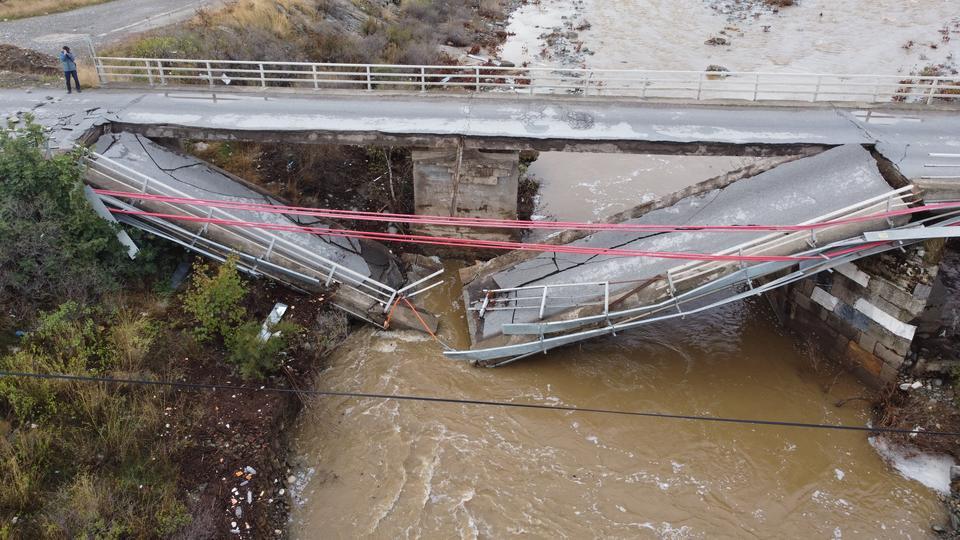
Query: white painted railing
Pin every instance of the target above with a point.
(696, 85)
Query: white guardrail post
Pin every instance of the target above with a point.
(146, 63)
(933, 91)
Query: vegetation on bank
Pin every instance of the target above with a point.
(53, 248)
(98, 460)
(20, 9)
(361, 31)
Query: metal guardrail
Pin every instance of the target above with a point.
(698, 85)
(266, 252)
(679, 278)
(670, 309)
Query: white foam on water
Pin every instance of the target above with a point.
(931, 470)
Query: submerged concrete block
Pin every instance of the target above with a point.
(864, 359)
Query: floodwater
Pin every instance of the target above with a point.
(815, 36)
(590, 187)
(386, 469)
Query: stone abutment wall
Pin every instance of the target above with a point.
(864, 314)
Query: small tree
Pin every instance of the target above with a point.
(214, 300)
(253, 356)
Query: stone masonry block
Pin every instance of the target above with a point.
(897, 296)
(854, 274)
(843, 326)
(853, 317)
(867, 340)
(891, 341)
(887, 355)
(889, 372)
(922, 291)
(864, 359)
(884, 319)
(825, 299)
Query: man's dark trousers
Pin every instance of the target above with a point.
(67, 75)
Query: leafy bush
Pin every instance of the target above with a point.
(214, 300)
(253, 357)
(53, 247)
(66, 341)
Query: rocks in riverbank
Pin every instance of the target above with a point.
(563, 44)
(741, 10)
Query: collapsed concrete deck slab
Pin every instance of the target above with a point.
(160, 170)
(791, 193)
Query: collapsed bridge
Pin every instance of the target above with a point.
(833, 204)
(841, 174)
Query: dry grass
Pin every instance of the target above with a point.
(272, 15)
(88, 76)
(20, 9)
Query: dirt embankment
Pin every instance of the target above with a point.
(21, 67)
(234, 468)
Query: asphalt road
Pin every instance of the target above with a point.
(102, 22)
(911, 139)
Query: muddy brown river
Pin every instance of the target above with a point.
(384, 469)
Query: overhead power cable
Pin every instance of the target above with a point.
(512, 224)
(470, 243)
(475, 402)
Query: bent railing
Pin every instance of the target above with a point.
(262, 251)
(695, 85)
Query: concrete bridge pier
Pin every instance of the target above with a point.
(466, 182)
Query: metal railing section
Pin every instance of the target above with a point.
(696, 85)
(680, 277)
(271, 251)
(498, 356)
(544, 298)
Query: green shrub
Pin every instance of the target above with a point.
(253, 357)
(176, 46)
(215, 299)
(53, 247)
(67, 340)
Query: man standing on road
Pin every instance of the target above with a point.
(69, 68)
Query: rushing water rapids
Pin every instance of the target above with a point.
(391, 469)
(387, 469)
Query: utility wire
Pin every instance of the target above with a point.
(477, 402)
